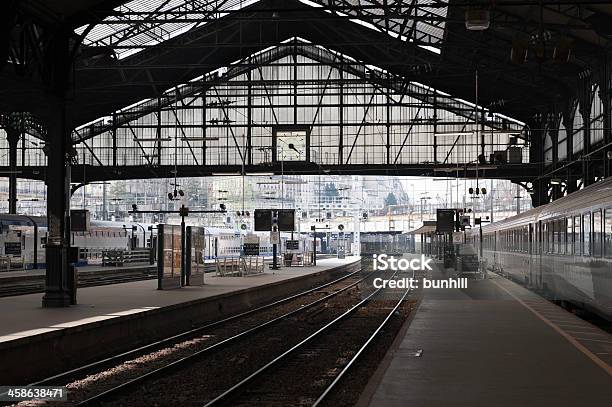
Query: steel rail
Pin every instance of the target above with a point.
(226, 394)
(361, 350)
(115, 391)
(58, 378)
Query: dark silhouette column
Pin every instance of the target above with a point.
(12, 136)
(58, 287)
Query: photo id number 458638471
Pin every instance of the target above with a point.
(49, 393)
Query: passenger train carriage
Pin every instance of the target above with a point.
(24, 237)
(563, 248)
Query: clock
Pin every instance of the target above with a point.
(291, 145)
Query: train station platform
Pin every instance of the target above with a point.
(494, 344)
(113, 318)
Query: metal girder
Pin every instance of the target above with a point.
(88, 173)
(398, 84)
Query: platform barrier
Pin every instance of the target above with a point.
(250, 265)
(125, 257)
(229, 266)
(7, 263)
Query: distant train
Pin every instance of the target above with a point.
(563, 249)
(24, 237)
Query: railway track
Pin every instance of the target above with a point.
(33, 286)
(107, 378)
(297, 324)
(37, 285)
(309, 372)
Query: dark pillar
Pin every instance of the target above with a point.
(585, 99)
(57, 287)
(604, 95)
(12, 136)
(539, 195)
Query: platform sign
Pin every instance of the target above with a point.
(457, 237)
(251, 238)
(286, 220)
(12, 248)
(263, 220)
(445, 220)
(169, 250)
(250, 249)
(195, 241)
(275, 237)
(292, 245)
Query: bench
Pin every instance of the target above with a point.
(294, 259)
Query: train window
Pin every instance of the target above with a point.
(608, 232)
(530, 238)
(570, 236)
(560, 236)
(577, 235)
(536, 230)
(586, 234)
(597, 233)
(544, 237)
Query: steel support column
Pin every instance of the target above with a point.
(604, 95)
(539, 195)
(584, 109)
(57, 280)
(567, 118)
(12, 136)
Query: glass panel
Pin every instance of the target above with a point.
(597, 233)
(551, 237)
(608, 232)
(586, 234)
(577, 235)
(570, 236)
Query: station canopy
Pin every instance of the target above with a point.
(196, 83)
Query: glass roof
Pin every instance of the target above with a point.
(141, 23)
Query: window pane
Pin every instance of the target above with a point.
(551, 237)
(597, 233)
(586, 231)
(577, 235)
(570, 236)
(608, 232)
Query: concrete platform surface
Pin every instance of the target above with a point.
(496, 344)
(23, 316)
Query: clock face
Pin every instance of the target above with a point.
(291, 146)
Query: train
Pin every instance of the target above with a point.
(562, 249)
(24, 238)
